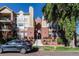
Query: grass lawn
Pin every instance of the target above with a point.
(59, 48)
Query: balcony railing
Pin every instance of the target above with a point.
(5, 28)
(5, 20)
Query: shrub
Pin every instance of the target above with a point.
(60, 41)
(11, 38)
(2, 41)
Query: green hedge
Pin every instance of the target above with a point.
(60, 41)
(2, 41)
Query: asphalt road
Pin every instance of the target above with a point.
(41, 53)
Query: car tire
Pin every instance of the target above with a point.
(1, 51)
(23, 51)
(29, 49)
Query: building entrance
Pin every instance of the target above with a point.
(38, 31)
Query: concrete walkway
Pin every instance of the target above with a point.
(38, 43)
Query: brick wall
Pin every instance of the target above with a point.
(44, 32)
(30, 32)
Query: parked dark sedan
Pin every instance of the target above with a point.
(16, 45)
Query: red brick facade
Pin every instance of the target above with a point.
(44, 32)
(30, 32)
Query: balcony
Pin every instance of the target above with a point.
(5, 28)
(5, 20)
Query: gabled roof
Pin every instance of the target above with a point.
(2, 8)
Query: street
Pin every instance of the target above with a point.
(41, 53)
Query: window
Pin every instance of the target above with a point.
(20, 24)
(22, 35)
(25, 34)
(18, 42)
(11, 43)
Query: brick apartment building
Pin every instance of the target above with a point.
(26, 25)
(7, 23)
(31, 28)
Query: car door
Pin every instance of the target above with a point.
(19, 45)
(10, 46)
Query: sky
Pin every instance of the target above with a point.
(16, 7)
(77, 27)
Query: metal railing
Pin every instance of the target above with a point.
(5, 20)
(5, 28)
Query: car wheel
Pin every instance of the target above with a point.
(29, 49)
(0, 50)
(23, 51)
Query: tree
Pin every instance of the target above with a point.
(69, 31)
(64, 15)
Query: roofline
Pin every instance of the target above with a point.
(1, 8)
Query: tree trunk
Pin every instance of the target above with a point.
(72, 43)
(55, 46)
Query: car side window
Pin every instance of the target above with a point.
(18, 42)
(11, 43)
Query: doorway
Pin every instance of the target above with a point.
(38, 31)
